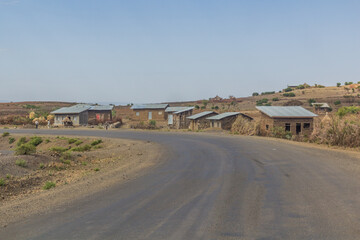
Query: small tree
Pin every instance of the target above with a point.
(338, 84)
(255, 94)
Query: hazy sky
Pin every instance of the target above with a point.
(158, 51)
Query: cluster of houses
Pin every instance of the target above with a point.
(294, 119)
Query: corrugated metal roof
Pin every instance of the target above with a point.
(199, 115)
(223, 115)
(175, 109)
(73, 109)
(321, 105)
(102, 107)
(150, 106)
(286, 112)
(184, 110)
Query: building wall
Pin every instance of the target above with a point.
(180, 120)
(143, 115)
(77, 119)
(201, 123)
(267, 124)
(225, 123)
(100, 116)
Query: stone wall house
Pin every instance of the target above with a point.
(147, 112)
(100, 114)
(177, 117)
(321, 107)
(294, 119)
(198, 121)
(77, 113)
(225, 120)
(80, 114)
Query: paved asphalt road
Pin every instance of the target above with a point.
(214, 188)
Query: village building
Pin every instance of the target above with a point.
(225, 120)
(294, 119)
(198, 121)
(100, 114)
(321, 107)
(80, 114)
(177, 116)
(147, 112)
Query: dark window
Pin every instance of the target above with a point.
(287, 127)
(298, 128)
(306, 125)
(267, 127)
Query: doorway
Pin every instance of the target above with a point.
(298, 128)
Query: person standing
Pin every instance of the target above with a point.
(36, 124)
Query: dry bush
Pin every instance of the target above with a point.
(337, 131)
(244, 126)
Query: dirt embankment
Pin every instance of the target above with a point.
(68, 168)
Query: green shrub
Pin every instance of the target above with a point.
(301, 86)
(348, 83)
(261, 101)
(41, 166)
(279, 132)
(49, 185)
(25, 149)
(21, 141)
(268, 93)
(2, 182)
(72, 140)
(82, 148)
(97, 147)
(197, 107)
(78, 142)
(96, 142)
(338, 84)
(35, 141)
(311, 101)
(58, 149)
(255, 94)
(291, 94)
(66, 155)
(5, 134)
(8, 176)
(152, 123)
(21, 163)
(337, 102)
(11, 140)
(47, 141)
(96, 169)
(347, 110)
(275, 99)
(289, 89)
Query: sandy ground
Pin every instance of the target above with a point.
(117, 161)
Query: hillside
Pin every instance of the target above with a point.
(336, 97)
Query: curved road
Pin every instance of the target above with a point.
(212, 187)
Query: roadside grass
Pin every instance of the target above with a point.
(58, 149)
(96, 169)
(97, 147)
(82, 148)
(48, 185)
(47, 141)
(78, 142)
(25, 149)
(5, 134)
(35, 141)
(11, 140)
(72, 140)
(96, 142)
(21, 163)
(84, 163)
(2, 182)
(21, 141)
(8, 176)
(41, 166)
